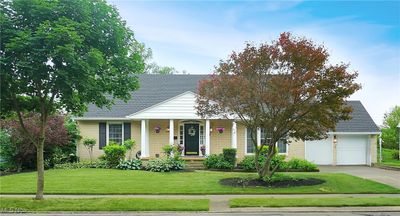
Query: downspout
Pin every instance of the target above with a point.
(380, 147)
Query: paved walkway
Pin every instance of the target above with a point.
(220, 203)
(389, 177)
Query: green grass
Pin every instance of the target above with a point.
(387, 158)
(314, 202)
(103, 204)
(112, 181)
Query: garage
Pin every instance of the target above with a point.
(320, 151)
(352, 149)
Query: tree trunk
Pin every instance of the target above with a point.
(40, 169)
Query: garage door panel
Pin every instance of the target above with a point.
(319, 151)
(351, 149)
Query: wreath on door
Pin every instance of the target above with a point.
(192, 131)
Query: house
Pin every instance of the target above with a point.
(163, 112)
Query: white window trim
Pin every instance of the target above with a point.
(108, 130)
(259, 141)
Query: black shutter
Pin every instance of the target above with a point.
(127, 131)
(102, 134)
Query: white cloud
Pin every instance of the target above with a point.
(196, 43)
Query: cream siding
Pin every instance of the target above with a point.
(295, 149)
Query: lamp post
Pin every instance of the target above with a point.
(398, 127)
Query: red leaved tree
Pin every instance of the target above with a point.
(287, 87)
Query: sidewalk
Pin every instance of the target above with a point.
(220, 203)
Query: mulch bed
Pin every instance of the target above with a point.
(240, 182)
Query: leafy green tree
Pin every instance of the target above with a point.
(63, 55)
(390, 132)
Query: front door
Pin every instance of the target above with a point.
(191, 139)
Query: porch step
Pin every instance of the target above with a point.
(194, 164)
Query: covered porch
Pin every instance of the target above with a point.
(196, 137)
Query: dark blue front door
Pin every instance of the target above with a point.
(191, 139)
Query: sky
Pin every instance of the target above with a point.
(195, 35)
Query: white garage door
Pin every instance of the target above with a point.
(319, 151)
(352, 149)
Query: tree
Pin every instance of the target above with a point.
(63, 55)
(287, 88)
(56, 133)
(390, 132)
(89, 144)
(130, 145)
(153, 68)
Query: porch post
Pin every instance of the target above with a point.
(143, 139)
(171, 132)
(234, 135)
(208, 137)
(258, 136)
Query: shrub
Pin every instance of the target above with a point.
(395, 155)
(168, 150)
(217, 162)
(7, 152)
(301, 165)
(113, 154)
(130, 145)
(159, 165)
(165, 164)
(61, 134)
(177, 163)
(134, 164)
(83, 164)
(248, 162)
(229, 155)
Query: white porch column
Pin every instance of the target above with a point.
(143, 139)
(258, 136)
(207, 137)
(234, 135)
(171, 132)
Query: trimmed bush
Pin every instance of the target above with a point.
(134, 164)
(113, 154)
(217, 162)
(229, 155)
(248, 162)
(301, 165)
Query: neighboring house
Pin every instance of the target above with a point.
(163, 112)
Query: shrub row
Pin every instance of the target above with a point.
(295, 164)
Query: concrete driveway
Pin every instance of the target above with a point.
(389, 177)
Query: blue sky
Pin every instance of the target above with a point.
(195, 35)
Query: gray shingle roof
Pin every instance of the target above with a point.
(155, 89)
(361, 120)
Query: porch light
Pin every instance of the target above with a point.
(167, 129)
(220, 129)
(334, 139)
(157, 129)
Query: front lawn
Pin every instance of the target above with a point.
(314, 202)
(103, 204)
(112, 181)
(387, 158)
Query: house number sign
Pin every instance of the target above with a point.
(192, 131)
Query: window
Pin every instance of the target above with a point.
(202, 138)
(181, 134)
(115, 133)
(249, 141)
(282, 146)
